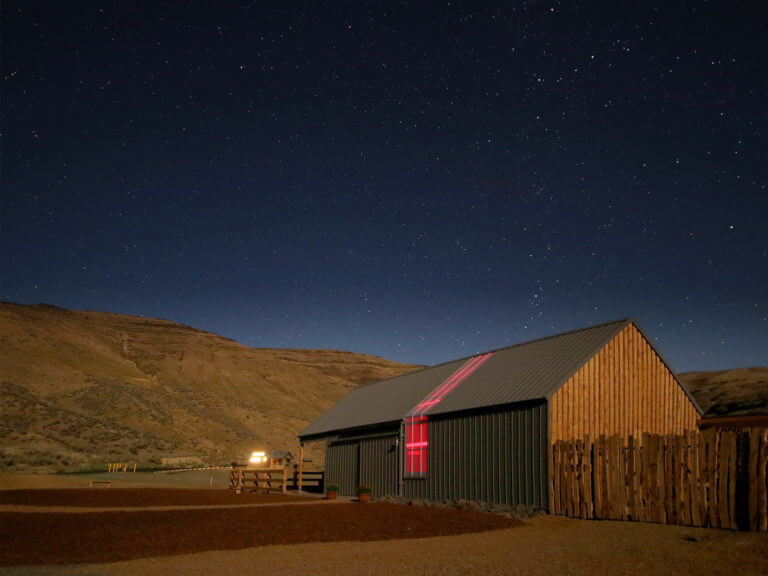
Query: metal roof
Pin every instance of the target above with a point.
(380, 402)
(529, 371)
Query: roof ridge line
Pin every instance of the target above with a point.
(625, 320)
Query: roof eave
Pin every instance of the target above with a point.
(349, 430)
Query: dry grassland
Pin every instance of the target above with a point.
(736, 392)
(79, 389)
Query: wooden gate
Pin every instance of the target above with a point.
(709, 478)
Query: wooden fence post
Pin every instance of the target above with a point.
(632, 471)
(597, 482)
(588, 488)
(580, 466)
(660, 491)
(301, 465)
(732, 439)
(646, 488)
(656, 504)
(693, 478)
(564, 488)
(573, 458)
(762, 482)
(704, 480)
(607, 479)
(556, 478)
(617, 476)
(714, 493)
(622, 478)
(754, 459)
(742, 481)
(725, 457)
(682, 516)
(551, 478)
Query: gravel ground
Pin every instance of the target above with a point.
(139, 497)
(201, 479)
(41, 538)
(544, 545)
(540, 545)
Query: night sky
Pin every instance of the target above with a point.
(417, 182)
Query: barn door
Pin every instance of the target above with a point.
(379, 465)
(342, 467)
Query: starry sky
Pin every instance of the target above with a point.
(419, 181)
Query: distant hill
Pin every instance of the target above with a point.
(737, 392)
(81, 388)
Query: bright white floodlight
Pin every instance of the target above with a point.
(258, 458)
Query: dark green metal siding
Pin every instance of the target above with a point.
(379, 465)
(371, 461)
(493, 456)
(496, 456)
(341, 467)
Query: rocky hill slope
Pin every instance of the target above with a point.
(78, 389)
(737, 392)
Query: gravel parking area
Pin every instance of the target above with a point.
(65, 538)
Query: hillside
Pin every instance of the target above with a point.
(78, 389)
(737, 392)
(81, 388)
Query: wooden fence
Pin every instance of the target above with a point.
(709, 478)
(258, 480)
(311, 481)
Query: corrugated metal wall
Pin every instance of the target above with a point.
(498, 456)
(378, 465)
(371, 461)
(341, 467)
(493, 456)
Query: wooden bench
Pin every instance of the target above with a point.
(106, 483)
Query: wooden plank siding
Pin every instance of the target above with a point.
(624, 390)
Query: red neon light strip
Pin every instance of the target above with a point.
(449, 385)
(438, 393)
(428, 403)
(455, 379)
(416, 441)
(416, 445)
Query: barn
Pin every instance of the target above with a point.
(480, 428)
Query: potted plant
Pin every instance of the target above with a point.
(331, 491)
(363, 493)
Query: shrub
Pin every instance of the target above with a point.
(331, 488)
(363, 489)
